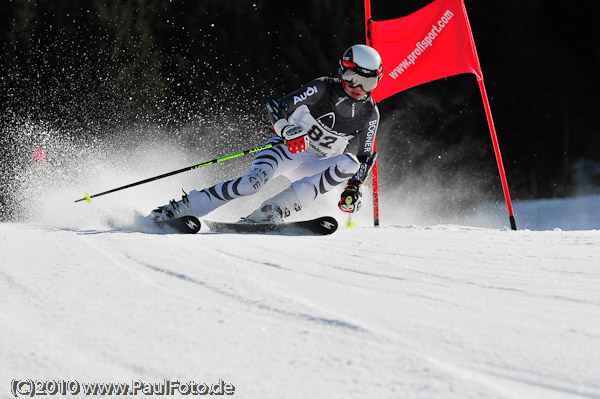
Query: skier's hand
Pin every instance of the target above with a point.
(351, 197)
(294, 137)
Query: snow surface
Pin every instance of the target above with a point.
(429, 305)
(401, 311)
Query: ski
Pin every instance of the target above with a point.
(316, 227)
(183, 225)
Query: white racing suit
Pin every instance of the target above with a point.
(331, 119)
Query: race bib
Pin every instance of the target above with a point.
(322, 139)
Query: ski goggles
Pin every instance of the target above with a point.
(355, 76)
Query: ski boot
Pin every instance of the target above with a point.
(276, 209)
(172, 210)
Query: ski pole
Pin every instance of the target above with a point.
(88, 197)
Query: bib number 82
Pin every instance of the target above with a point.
(315, 134)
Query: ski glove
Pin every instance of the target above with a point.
(351, 197)
(294, 137)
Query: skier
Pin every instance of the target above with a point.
(313, 127)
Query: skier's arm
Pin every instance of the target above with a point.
(351, 197)
(366, 141)
(308, 94)
(294, 136)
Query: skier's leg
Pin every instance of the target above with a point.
(268, 164)
(339, 169)
(329, 172)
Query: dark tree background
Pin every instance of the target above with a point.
(97, 66)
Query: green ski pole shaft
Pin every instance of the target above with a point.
(88, 197)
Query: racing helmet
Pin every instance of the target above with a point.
(361, 66)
